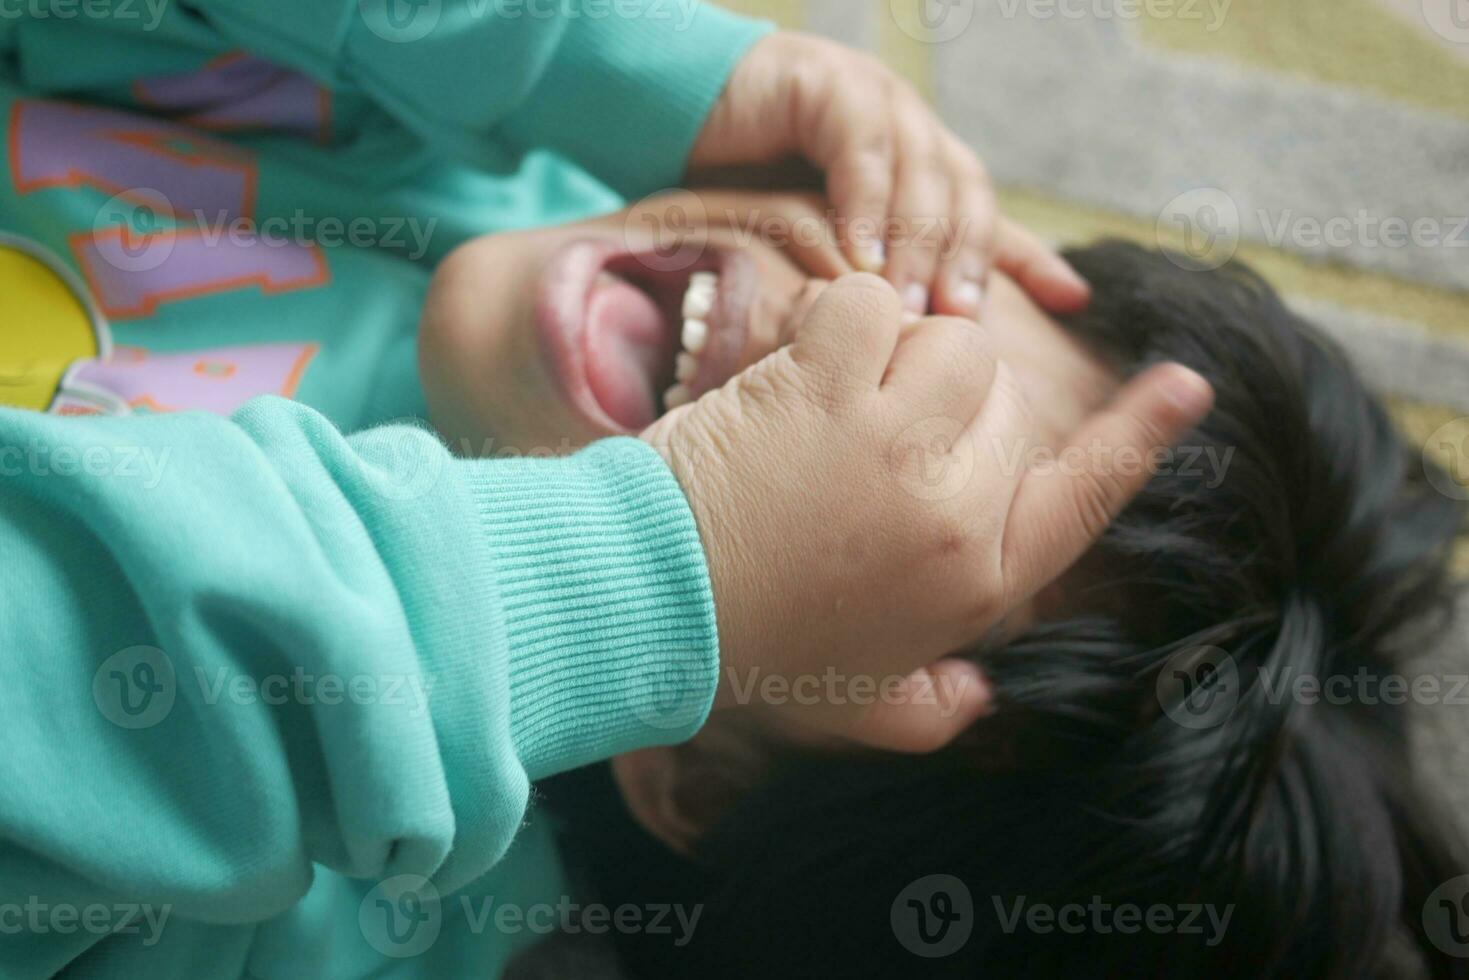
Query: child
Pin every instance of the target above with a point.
(273, 688)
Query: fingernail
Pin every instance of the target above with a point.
(969, 295)
(915, 298)
(1188, 391)
(872, 256)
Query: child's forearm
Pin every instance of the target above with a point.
(623, 93)
(267, 646)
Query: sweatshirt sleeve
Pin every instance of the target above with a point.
(235, 647)
(621, 87)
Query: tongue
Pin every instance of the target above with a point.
(629, 347)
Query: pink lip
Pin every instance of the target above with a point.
(561, 308)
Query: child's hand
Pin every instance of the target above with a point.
(862, 517)
(892, 168)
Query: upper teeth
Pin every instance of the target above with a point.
(698, 303)
(695, 335)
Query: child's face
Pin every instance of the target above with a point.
(543, 341)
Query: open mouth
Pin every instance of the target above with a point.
(629, 339)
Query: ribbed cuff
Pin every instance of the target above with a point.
(609, 614)
(628, 93)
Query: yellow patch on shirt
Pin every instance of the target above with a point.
(46, 325)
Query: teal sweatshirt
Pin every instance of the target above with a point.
(279, 670)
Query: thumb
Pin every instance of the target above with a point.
(1057, 514)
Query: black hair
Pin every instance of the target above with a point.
(1321, 553)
